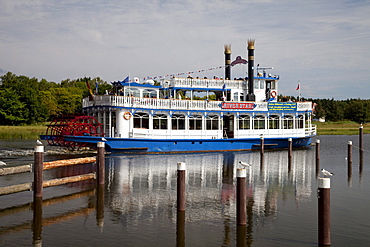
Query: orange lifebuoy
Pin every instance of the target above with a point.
(127, 115)
(273, 94)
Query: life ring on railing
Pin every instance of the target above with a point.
(273, 94)
(127, 115)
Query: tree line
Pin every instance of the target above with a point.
(25, 101)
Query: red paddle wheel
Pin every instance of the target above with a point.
(74, 126)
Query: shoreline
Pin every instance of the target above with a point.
(326, 128)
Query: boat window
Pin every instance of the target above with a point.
(178, 122)
(259, 122)
(235, 97)
(160, 121)
(195, 122)
(147, 93)
(244, 122)
(212, 122)
(132, 92)
(241, 96)
(274, 122)
(141, 120)
(256, 84)
(262, 84)
(288, 122)
(273, 85)
(300, 122)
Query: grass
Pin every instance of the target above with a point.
(340, 128)
(327, 128)
(22, 132)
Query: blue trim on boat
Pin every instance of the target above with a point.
(188, 145)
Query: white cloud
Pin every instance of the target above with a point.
(312, 42)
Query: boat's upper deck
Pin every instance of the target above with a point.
(177, 104)
(204, 83)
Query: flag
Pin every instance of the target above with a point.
(96, 87)
(223, 87)
(88, 86)
(126, 80)
(298, 87)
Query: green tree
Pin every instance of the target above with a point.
(12, 110)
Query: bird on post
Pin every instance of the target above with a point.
(103, 139)
(2, 163)
(39, 143)
(326, 173)
(244, 164)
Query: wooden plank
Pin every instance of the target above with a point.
(70, 162)
(15, 188)
(60, 181)
(15, 169)
(266, 145)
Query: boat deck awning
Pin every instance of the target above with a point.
(200, 89)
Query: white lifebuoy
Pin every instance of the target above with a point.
(273, 94)
(127, 115)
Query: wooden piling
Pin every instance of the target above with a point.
(180, 229)
(290, 151)
(37, 170)
(317, 157)
(361, 147)
(241, 199)
(101, 163)
(323, 194)
(262, 150)
(181, 189)
(100, 206)
(241, 236)
(37, 222)
(349, 159)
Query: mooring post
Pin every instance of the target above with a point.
(180, 229)
(101, 163)
(241, 236)
(37, 171)
(262, 150)
(317, 157)
(290, 151)
(181, 172)
(323, 194)
(241, 197)
(361, 148)
(37, 221)
(349, 159)
(100, 206)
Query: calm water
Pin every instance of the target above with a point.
(139, 207)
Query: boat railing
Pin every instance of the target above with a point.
(310, 131)
(186, 104)
(207, 83)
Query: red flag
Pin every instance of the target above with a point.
(297, 87)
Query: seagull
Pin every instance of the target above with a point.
(38, 142)
(326, 173)
(2, 163)
(245, 165)
(103, 139)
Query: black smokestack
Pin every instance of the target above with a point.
(227, 61)
(251, 96)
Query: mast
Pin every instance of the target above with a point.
(251, 96)
(227, 62)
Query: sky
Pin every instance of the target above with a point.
(322, 45)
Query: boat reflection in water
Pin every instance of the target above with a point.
(144, 186)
